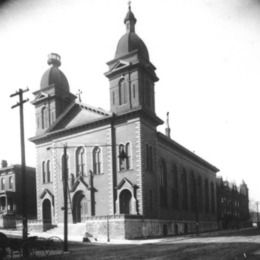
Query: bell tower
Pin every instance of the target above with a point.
(131, 74)
(54, 95)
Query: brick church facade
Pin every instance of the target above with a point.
(124, 177)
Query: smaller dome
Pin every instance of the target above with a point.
(130, 42)
(54, 76)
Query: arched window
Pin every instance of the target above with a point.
(206, 184)
(44, 117)
(97, 160)
(175, 199)
(200, 197)
(163, 184)
(193, 193)
(122, 92)
(149, 157)
(184, 190)
(212, 198)
(63, 163)
(11, 182)
(48, 170)
(3, 184)
(43, 173)
(124, 152)
(80, 166)
(128, 157)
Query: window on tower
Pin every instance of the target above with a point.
(122, 92)
(44, 117)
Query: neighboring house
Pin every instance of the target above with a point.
(233, 204)
(125, 178)
(11, 193)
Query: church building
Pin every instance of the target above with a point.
(125, 179)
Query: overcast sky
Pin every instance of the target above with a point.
(207, 55)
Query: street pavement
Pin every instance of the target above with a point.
(226, 245)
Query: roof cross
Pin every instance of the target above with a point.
(79, 95)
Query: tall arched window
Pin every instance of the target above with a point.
(97, 160)
(175, 199)
(3, 184)
(43, 173)
(184, 190)
(163, 184)
(80, 166)
(11, 182)
(200, 197)
(212, 198)
(48, 170)
(193, 193)
(63, 163)
(124, 155)
(206, 195)
(122, 92)
(44, 117)
(128, 157)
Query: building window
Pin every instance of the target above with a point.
(2, 184)
(48, 171)
(133, 87)
(124, 156)
(193, 193)
(151, 201)
(113, 97)
(200, 197)
(63, 163)
(44, 118)
(212, 198)
(206, 196)
(149, 157)
(43, 173)
(97, 160)
(122, 92)
(175, 190)
(80, 166)
(163, 184)
(11, 182)
(184, 190)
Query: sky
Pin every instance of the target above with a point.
(207, 55)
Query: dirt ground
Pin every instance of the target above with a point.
(236, 245)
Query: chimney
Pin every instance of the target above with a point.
(3, 163)
(167, 129)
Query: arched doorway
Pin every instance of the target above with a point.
(125, 202)
(46, 214)
(80, 207)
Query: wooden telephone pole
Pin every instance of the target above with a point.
(23, 182)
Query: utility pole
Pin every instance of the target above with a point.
(23, 182)
(65, 196)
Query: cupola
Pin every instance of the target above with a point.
(54, 76)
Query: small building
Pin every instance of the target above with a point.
(11, 194)
(233, 204)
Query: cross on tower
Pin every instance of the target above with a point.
(129, 5)
(79, 94)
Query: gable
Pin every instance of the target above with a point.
(78, 115)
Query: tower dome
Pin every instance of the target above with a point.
(54, 76)
(130, 41)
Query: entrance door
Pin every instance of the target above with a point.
(46, 214)
(125, 199)
(80, 207)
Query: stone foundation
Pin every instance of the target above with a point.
(134, 227)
